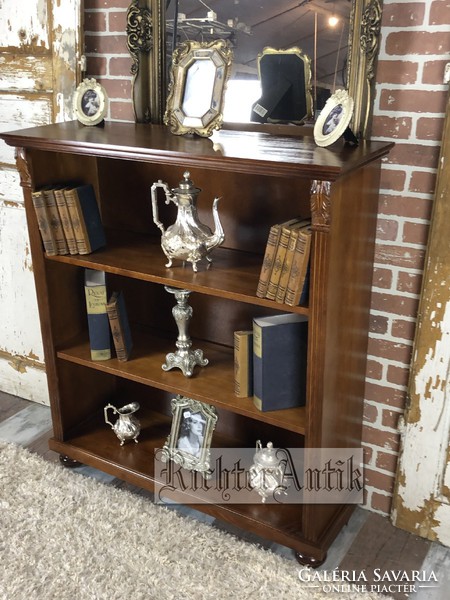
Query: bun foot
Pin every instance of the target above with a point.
(69, 463)
(309, 561)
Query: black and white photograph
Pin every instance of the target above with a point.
(90, 102)
(333, 119)
(189, 441)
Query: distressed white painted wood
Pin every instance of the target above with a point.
(24, 24)
(40, 50)
(25, 73)
(421, 503)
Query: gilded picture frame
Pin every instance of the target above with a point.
(199, 75)
(334, 118)
(90, 102)
(189, 441)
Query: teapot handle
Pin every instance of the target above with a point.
(166, 189)
(105, 410)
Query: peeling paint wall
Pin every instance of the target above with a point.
(40, 48)
(421, 502)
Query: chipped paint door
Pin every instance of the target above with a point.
(40, 42)
(422, 498)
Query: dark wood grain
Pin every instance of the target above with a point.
(262, 179)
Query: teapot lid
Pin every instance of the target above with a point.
(266, 457)
(186, 186)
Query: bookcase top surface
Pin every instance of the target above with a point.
(238, 151)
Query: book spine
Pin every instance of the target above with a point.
(47, 235)
(278, 263)
(119, 327)
(299, 267)
(98, 322)
(66, 221)
(243, 367)
(55, 221)
(257, 366)
(78, 224)
(267, 264)
(286, 270)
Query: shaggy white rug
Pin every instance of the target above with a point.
(64, 536)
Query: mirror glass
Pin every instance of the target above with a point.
(319, 28)
(198, 88)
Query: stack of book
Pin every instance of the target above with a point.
(270, 361)
(285, 268)
(69, 219)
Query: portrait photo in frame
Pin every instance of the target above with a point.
(333, 119)
(90, 102)
(189, 441)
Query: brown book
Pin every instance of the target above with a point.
(266, 268)
(299, 267)
(85, 216)
(120, 328)
(46, 231)
(288, 259)
(243, 363)
(278, 261)
(55, 220)
(65, 220)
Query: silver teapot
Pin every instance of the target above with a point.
(187, 239)
(127, 426)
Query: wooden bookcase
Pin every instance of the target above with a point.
(262, 179)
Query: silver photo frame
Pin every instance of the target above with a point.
(333, 119)
(199, 74)
(90, 102)
(189, 441)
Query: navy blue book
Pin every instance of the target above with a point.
(98, 322)
(85, 216)
(279, 361)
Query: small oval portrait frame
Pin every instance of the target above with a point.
(334, 118)
(90, 102)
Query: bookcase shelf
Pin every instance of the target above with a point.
(214, 385)
(232, 275)
(261, 180)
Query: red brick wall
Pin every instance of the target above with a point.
(409, 110)
(409, 105)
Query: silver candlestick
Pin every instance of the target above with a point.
(184, 358)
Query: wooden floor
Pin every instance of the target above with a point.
(368, 542)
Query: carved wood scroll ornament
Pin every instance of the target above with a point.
(321, 205)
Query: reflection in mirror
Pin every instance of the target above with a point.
(198, 88)
(320, 28)
(341, 57)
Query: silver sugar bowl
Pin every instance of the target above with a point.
(266, 473)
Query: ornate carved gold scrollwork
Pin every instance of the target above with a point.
(139, 33)
(146, 44)
(370, 33)
(320, 205)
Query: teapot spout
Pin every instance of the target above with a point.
(218, 236)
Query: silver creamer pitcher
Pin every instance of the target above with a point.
(127, 426)
(187, 239)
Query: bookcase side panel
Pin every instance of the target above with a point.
(352, 245)
(27, 170)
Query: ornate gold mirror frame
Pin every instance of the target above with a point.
(146, 39)
(198, 80)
